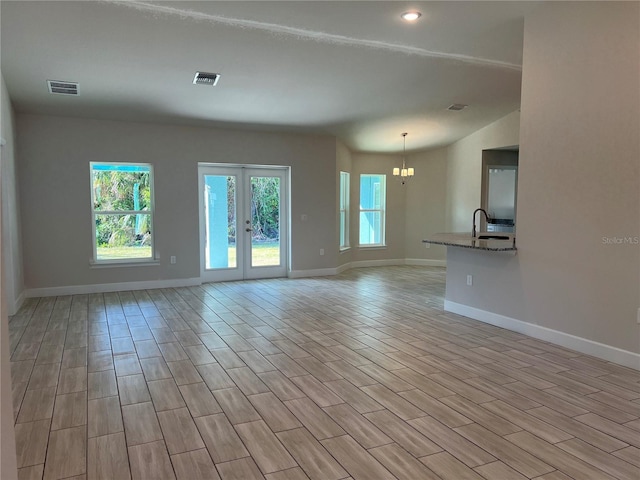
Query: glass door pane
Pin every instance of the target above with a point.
(243, 222)
(265, 221)
(220, 213)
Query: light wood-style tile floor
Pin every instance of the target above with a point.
(359, 376)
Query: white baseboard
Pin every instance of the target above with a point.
(111, 287)
(579, 344)
(14, 305)
(324, 272)
(425, 262)
(190, 282)
(377, 263)
(343, 268)
(318, 272)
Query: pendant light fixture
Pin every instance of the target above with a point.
(404, 173)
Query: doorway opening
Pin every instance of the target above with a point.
(500, 189)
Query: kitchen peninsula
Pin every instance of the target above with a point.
(487, 242)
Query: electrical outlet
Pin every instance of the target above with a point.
(321, 251)
(427, 245)
(173, 259)
(469, 280)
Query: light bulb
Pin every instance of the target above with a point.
(411, 16)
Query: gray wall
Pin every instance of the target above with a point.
(55, 193)
(343, 164)
(579, 181)
(426, 198)
(464, 169)
(13, 286)
(8, 228)
(418, 207)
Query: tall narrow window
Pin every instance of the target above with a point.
(372, 209)
(344, 210)
(122, 210)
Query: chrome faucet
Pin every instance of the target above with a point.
(486, 216)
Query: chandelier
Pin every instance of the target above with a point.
(404, 173)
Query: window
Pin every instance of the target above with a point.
(122, 211)
(372, 205)
(344, 210)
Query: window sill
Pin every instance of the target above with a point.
(344, 249)
(120, 263)
(373, 247)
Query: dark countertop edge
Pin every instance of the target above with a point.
(464, 241)
(470, 247)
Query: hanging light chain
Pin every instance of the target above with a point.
(404, 172)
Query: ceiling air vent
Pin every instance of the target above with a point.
(456, 107)
(204, 78)
(63, 88)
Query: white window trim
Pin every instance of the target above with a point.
(345, 208)
(124, 262)
(143, 262)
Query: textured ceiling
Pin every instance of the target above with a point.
(350, 69)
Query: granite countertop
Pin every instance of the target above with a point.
(465, 240)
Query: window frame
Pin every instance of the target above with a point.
(383, 210)
(343, 208)
(152, 260)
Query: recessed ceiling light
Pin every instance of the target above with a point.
(456, 107)
(411, 16)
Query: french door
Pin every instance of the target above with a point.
(243, 222)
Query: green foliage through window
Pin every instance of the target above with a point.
(265, 208)
(122, 211)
